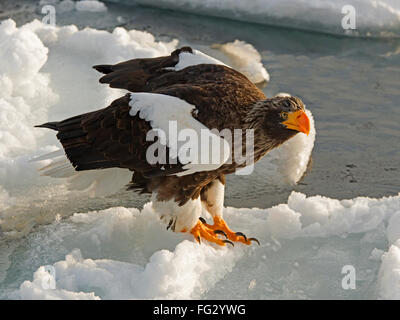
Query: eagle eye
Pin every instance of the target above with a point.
(284, 115)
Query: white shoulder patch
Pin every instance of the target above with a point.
(187, 59)
(188, 140)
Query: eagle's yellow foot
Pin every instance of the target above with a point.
(200, 231)
(220, 227)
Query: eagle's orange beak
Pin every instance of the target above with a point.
(299, 121)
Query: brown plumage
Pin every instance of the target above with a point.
(224, 99)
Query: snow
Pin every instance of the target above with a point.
(379, 18)
(91, 6)
(64, 6)
(178, 274)
(246, 59)
(320, 216)
(376, 254)
(24, 91)
(393, 228)
(126, 253)
(34, 290)
(389, 273)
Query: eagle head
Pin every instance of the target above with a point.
(285, 115)
(279, 118)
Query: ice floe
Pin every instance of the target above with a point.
(378, 18)
(126, 253)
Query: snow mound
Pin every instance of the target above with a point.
(25, 94)
(124, 253)
(246, 59)
(181, 273)
(91, 6)
(168, 275)
(389, 273)
(320, 216)
(64, 6)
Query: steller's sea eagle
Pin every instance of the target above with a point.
(190, 91)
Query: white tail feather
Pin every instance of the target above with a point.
(55, 166)
(97, 182)
(50, 155)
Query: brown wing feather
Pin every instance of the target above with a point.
(134, 74)
(221, 95)
(106, 138)
(109, 137)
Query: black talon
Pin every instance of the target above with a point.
(173, 225)
(203, 220)
(241, 234)
(254, 239)
(221, 232)
(170, 223)
(198, 239)
(227, 241)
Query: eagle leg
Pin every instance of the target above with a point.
(220, 227)
(200, 231)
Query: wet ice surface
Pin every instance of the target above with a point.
(352, 88)
(123, 253)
